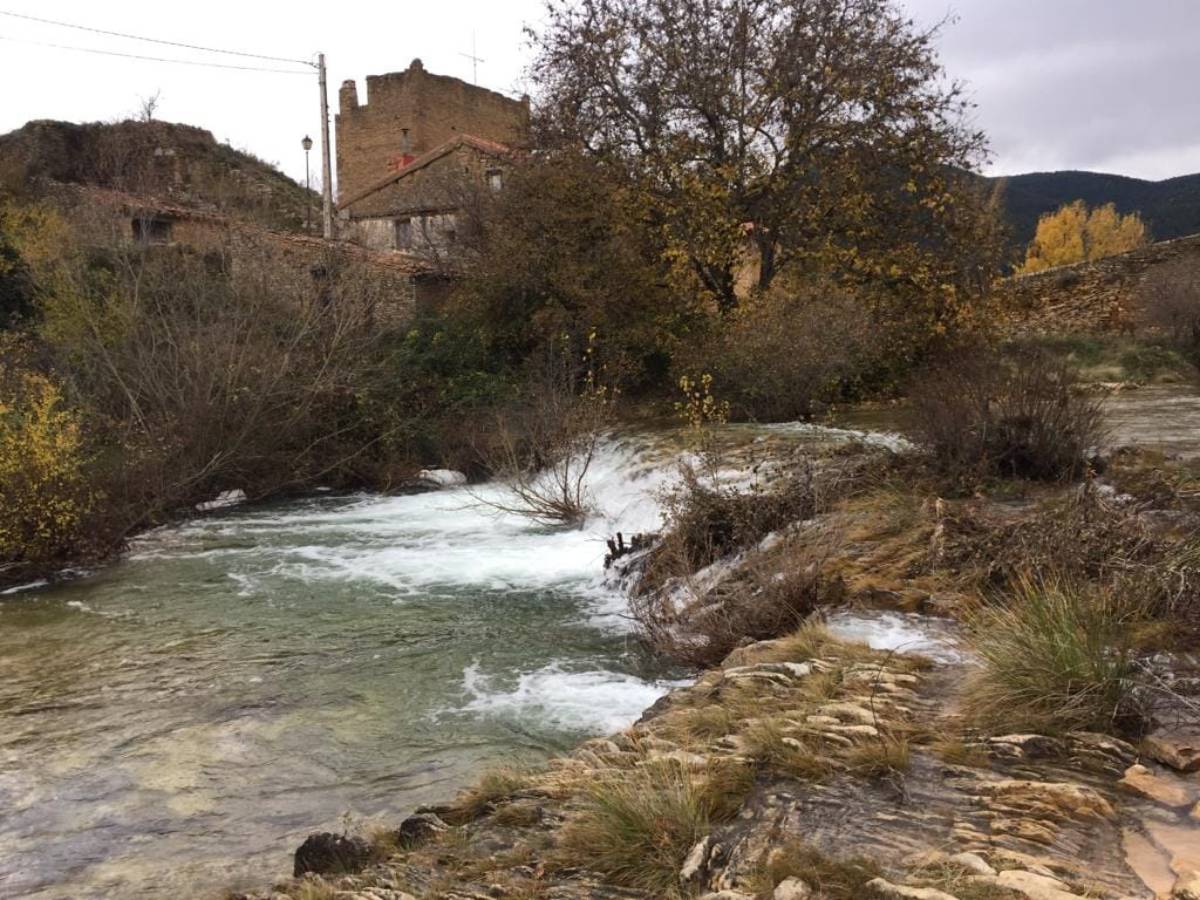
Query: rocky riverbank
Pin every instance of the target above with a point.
(811, 765)
(802, 767)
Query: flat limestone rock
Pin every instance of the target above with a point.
(1035, 887)
(1178, 752)
(881, 887)
(792, 889)
(1166, 791)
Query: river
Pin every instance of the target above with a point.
(176, 723)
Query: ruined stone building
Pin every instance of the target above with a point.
(410, 157)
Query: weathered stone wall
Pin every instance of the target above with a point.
(392, 284)
(444, 184)
(1089, 297)
(371, 138)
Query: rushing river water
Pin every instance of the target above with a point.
(179, 721)
(176, 723)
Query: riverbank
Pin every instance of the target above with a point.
(815, 766)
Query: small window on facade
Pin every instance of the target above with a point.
(403, 234)
(495, 180)
(151, 231)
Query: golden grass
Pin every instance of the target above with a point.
(637, 829)
(830, 878)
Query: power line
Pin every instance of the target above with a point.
(182, 62)
(137, 37)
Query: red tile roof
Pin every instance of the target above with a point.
(492, 148)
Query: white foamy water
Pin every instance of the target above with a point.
(902, 632)
(601, 702)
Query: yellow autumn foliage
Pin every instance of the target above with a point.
(44, 498)
(1075, 234)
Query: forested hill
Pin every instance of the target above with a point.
(180, 163)
(1171, 208)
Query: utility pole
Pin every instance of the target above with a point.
(326, 165)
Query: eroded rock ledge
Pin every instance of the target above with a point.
(821, 769)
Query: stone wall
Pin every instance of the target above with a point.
(407, 114)
(443, 184)
(1089, 297)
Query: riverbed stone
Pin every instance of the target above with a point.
(696, 863)
(792, 889)
(331, 854)
(1187, 887)
(1034, 886)
(972, 862)
(881, 887)
(1178, 752)
(1166, 791)
(418, 829)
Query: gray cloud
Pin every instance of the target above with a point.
(1084, 84)
(1107, 85)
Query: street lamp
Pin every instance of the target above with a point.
(307, 145)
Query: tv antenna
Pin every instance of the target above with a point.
(473, 56)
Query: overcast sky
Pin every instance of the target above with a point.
(1105, 85)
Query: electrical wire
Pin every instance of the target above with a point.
(182, 62)
(136, 37)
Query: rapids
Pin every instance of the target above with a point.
(178, 722)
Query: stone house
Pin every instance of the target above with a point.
(417, 155)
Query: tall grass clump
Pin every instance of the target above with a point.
(1056, 657)
(1018, 414)
(638, 829)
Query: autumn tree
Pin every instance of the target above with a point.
(822, 133)
(1074, 234)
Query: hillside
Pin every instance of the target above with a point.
(179, 163)
(1171, 208)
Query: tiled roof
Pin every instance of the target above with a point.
(492, 148)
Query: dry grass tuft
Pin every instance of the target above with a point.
(493, 788)
(885, 756)
(769, 744)
(638, 829)
(830, 879)
(1056, 657)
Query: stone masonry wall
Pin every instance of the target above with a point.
(443, 184)
(433, 108)
(1089, 297)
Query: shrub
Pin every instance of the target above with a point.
(696, 624)
(544, 445)
(638, 829)
(1018, 415)
(784, 354)
(1056, 657)
(44, 495)
(1170, 302)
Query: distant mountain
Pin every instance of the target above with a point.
(1170, 208)
(178, 163)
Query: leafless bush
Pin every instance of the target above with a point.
(1086, 539)
(216, 370)
(1170, 301)
(770, 595)
(544, 446)
(708, 521)
(1020, 415)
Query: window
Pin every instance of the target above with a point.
(151, 230)
(403, 234)
(495, 180)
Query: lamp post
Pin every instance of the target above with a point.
(307, 145)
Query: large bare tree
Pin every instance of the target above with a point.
(821, 132)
